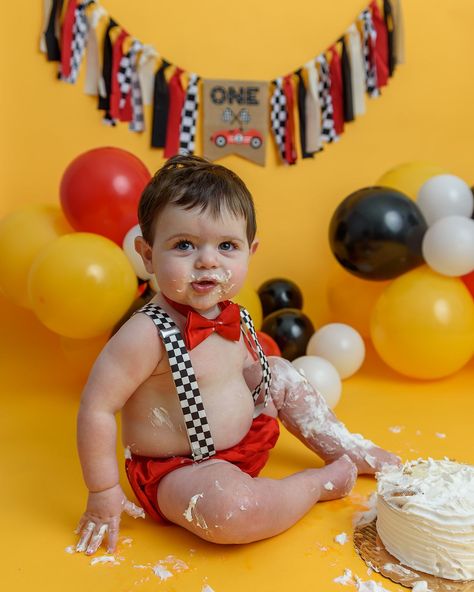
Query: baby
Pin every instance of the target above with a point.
(199, 399)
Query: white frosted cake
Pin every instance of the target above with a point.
(425, 516)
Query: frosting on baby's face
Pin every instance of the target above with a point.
(199, 259)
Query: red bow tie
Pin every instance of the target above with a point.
(197, 328)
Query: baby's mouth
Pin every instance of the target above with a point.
(204, 285)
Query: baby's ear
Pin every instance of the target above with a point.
(145, 252)
(254, 246)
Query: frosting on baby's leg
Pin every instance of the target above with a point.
(304, 412)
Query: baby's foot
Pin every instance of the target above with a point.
(370, 460)
(337, 479)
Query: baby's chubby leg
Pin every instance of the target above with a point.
(304, 412)
(220, 503)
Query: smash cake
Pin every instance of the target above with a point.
(425, 516)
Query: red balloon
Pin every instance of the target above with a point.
(269, 345)
(469, 282)
(100, 191)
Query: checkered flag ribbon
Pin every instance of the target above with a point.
(266, 374)
(328, 132)
(279, 116)
(79, 39)
(187, 128)
(124, 77)
(369, 36)
(138, 119)
(195, 419)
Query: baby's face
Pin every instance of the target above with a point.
(199, 260)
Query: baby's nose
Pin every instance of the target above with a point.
(207, 258)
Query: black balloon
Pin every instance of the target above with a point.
(279, 293)
(376, 233)
(291, 329)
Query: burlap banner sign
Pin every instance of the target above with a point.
(235, 119)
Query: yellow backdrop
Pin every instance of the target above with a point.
(424, 114)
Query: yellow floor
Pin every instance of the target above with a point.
(42, 494)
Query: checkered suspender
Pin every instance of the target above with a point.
(197, 427)
(266, 374)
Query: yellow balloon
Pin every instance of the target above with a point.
(248, 298)
(351, 299)
(423, 324)
(81, 284)
(409, 177)
(23, 233)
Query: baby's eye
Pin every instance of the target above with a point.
(184, 245)
(227, 246)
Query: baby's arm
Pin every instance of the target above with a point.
(127, 360)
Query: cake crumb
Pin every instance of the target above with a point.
(329, 486)
(395, 429)
(71, 549)
(345, 579)
(104, 559)
(369, 586)
(341, 538)
(440, 435)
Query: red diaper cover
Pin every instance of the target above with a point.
(250, 455)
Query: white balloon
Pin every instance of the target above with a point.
(341, 345)
(448, 246)
(445, 195)
(322, 376)
(128, 246)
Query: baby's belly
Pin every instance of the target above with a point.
(153, 425)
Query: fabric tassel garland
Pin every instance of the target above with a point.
(176, 104)
(96, 20)
(278, 116)
(120, 104)
(290, 149)
(381, 45)
(336, 90)
(66, 39)
(301, 94)
(369, 37)
(390, 26)
(50, 40)
(187, 130)
(328, 133)
(354, 46)
(399, 31)
(79, 40)
(104, 98)
(160, 107)
(313, 109)
(346, 82)
(138, 120)
(146, 67)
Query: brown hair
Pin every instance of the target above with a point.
(193, 182)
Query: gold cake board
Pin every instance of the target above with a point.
(369, 546)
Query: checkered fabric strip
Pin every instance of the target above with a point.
(328, 132)
(279, 116)
(124, 77)
(138, 119)
(79, 39)
(266, 373)
(189, 115)
(368, 42)
(195, 419)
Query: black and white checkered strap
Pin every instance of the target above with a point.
(195, 419)
(266, 374)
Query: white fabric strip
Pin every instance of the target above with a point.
(354, 47)
(146, 72)
(93, 73)
(313, 109)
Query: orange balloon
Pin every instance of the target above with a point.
(351, 299)
(423, 324)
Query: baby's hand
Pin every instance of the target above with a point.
(102, 515)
